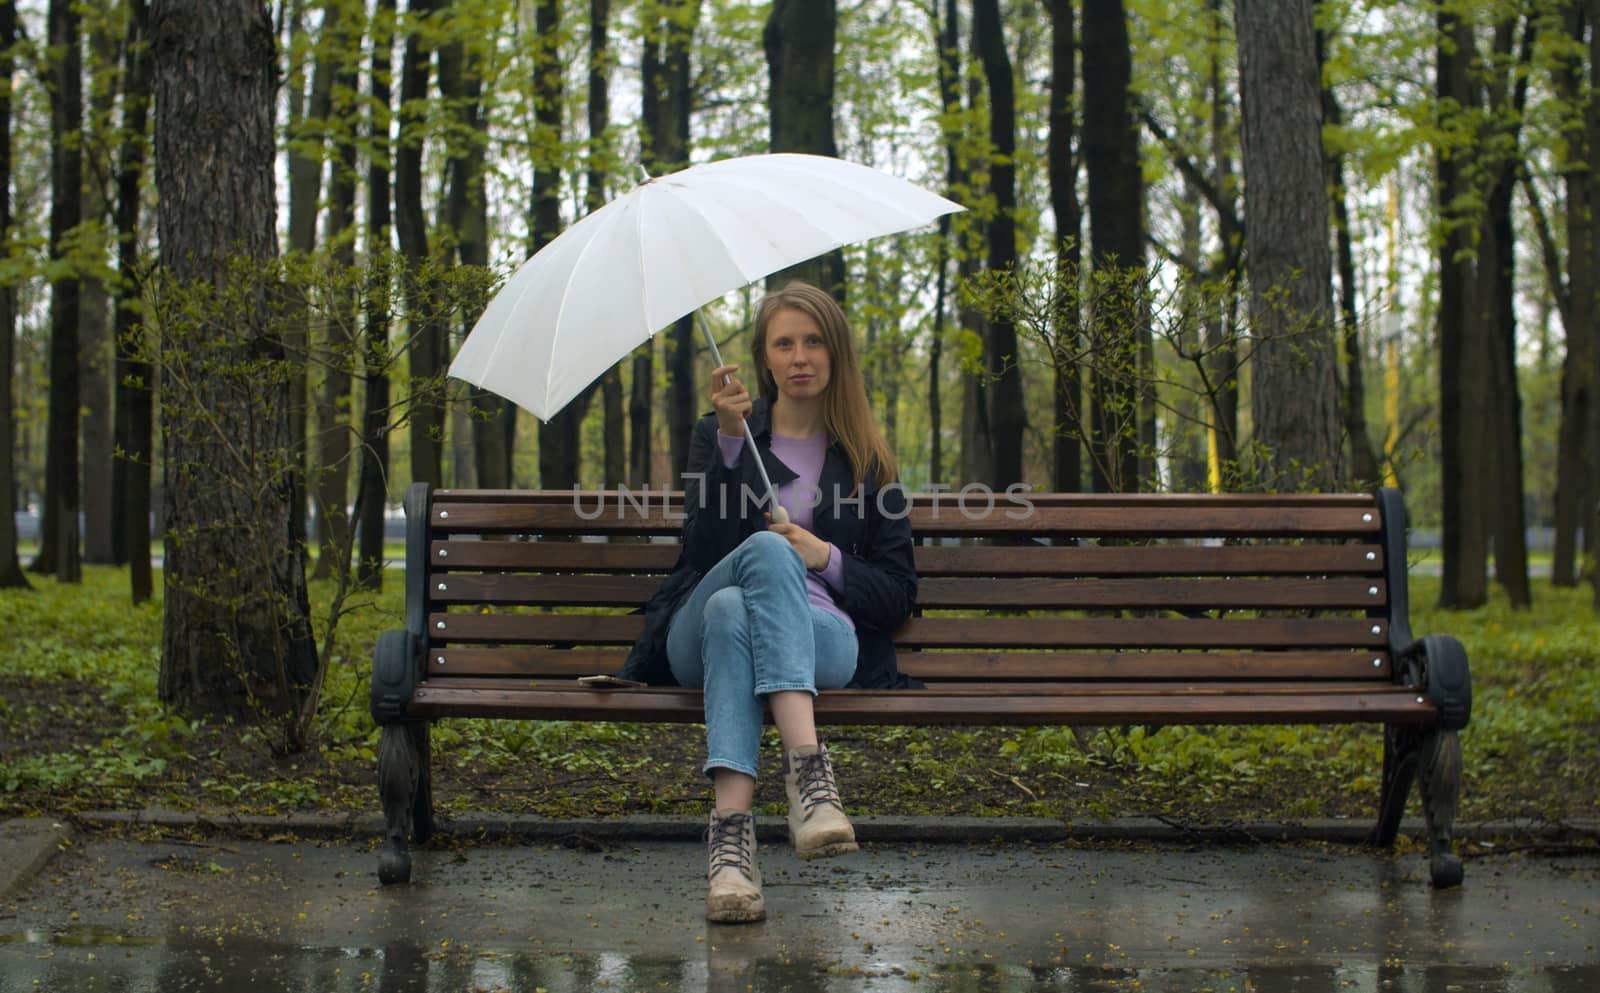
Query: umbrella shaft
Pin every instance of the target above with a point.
(749, 439)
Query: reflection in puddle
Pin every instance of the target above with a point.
(97, 960)
(77, 936)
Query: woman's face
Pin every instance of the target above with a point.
(796, 355)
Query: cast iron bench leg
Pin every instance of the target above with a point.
(401, 754)
(1433, 760)
(1441, 790)
(422, 813)
(1400, 759)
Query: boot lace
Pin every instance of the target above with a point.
(729, 840)
(814, 781)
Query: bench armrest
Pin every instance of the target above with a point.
(395, 661)
(1436, 661)
(397, 656)
(1439, 662)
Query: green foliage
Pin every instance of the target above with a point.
(1079, 323)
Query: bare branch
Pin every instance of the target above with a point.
(1559, 287)
(1191, 172)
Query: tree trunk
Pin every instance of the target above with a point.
(1364, 469)
(1007, 420)
(641, 452)
(11, 574)
(95, 371)
(1497, 276)
(800, 39)
(1591, 523)
(372, 491)
(641, 397)
(1504, 399)
(464, 224)
(308, 131)
(668, 37)
(599, 175)
(947, 36)
(977, 458)
(344, 35)
(559, 437)
(135, 379)
(1067, 445)
(1462, 379)
(96, 351)
(1220, 329)
(428, 348)
(1578, 317)
(1116, 230)
(683, 392)
(1295, 400)
(1188, 448)
(463, 471)
(236, 636)
(58, 548)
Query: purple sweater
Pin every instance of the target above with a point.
(805, 456)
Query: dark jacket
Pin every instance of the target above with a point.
(872, 534)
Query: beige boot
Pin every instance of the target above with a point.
(733, 883)
(817, 825)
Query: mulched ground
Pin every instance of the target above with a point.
(611, 770)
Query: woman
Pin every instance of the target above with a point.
(764, 613)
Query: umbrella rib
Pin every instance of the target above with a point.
(834, 242)
(638, 239)
(786, 164)
(561, 307)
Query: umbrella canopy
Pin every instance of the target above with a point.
(671, 245)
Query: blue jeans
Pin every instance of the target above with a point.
(748, 630)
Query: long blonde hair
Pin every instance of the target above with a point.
(845, 413)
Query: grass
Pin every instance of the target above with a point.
(81, 728)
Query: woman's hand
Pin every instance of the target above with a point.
(731, 400)
(814, 552)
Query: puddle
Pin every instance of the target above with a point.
(90, 960)
(897, 919)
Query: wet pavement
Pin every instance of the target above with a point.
(293, 915)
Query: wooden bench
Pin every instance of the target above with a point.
(1078, 610)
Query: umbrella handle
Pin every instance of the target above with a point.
(779, 515)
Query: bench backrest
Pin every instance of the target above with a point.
(1015, 593)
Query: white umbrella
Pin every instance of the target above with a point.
(668, 247)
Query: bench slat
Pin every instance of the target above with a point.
(1149, 560)
(1144, 632)
(952, 594)
(553, 556)
(1024, 666)
(515, 660)
(1176, 687)
(1163, 594)
(1128, 521)
(547, 590)
(935, 561)
(964, 632)
(900, 706)
(654, 496)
